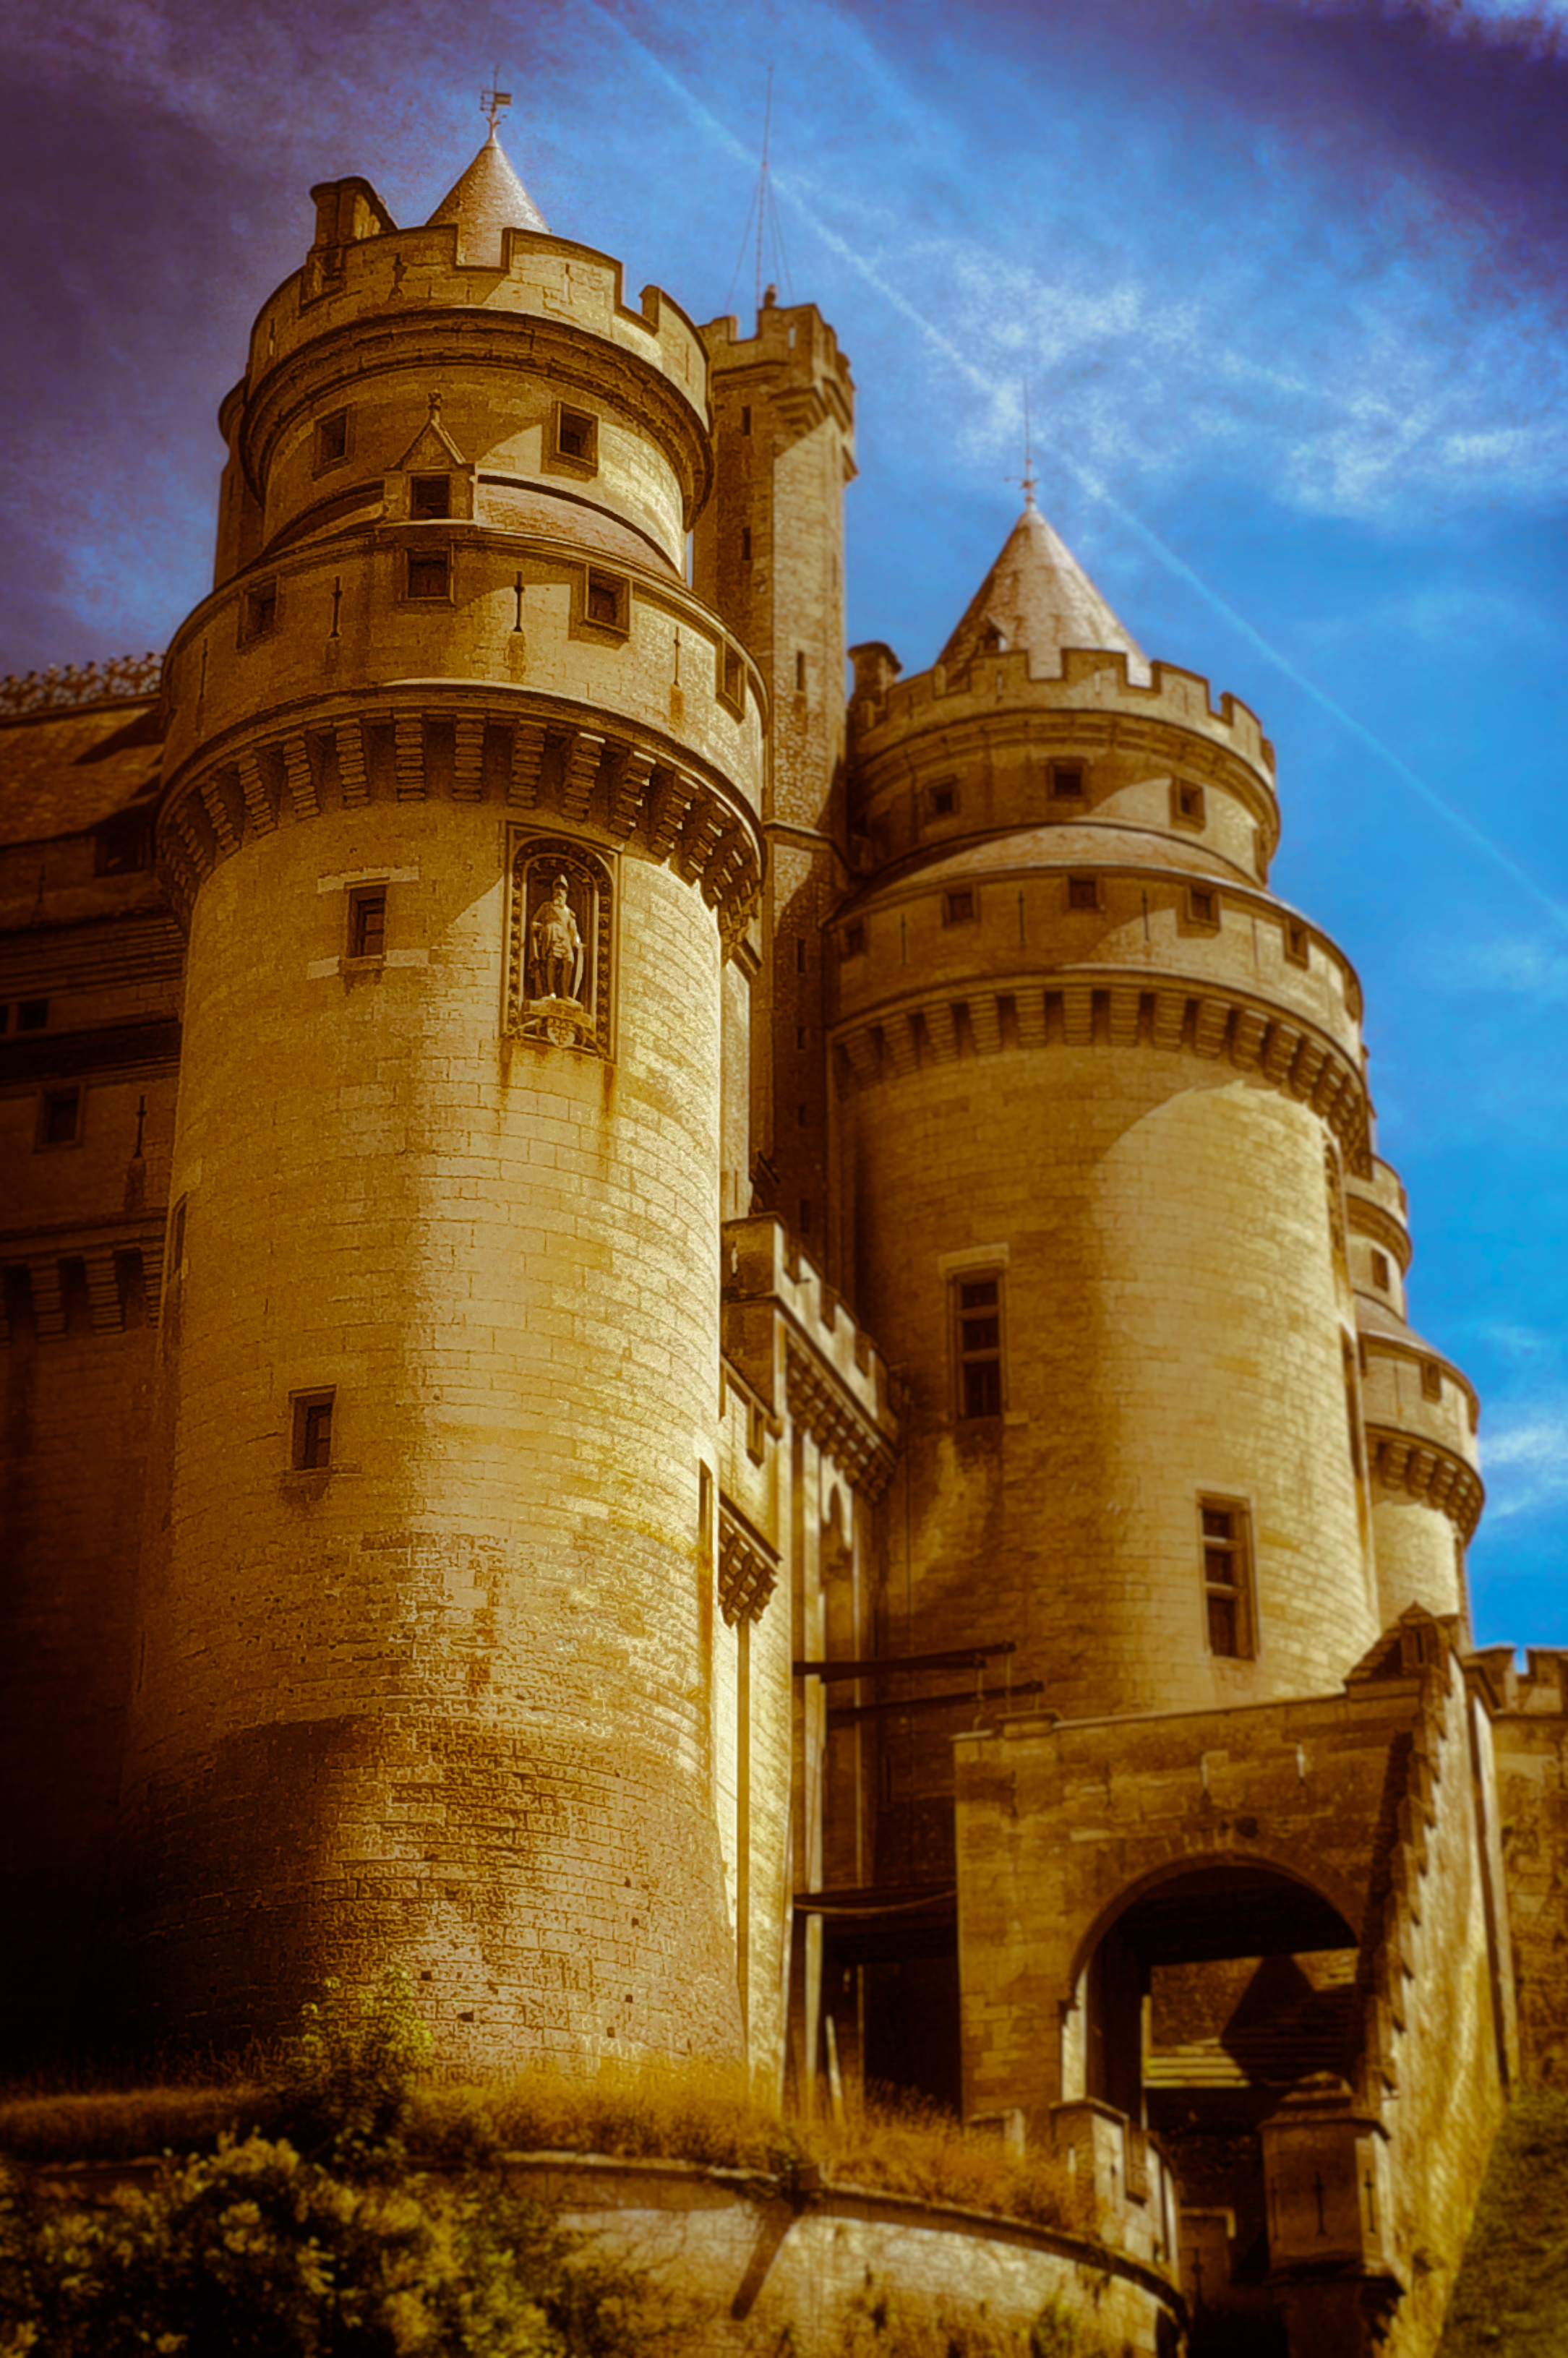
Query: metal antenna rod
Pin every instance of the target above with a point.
(763, 184)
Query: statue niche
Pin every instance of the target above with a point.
(559, 978)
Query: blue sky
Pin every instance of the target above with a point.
(1287, 281)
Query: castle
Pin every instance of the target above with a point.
(724, 1361)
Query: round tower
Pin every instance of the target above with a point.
(460, 807)
(1105, 1092)
(1422, 1416)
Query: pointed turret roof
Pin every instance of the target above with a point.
(1037, 596)
(488, 198)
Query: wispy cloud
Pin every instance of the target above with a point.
(1526, 1462)
(1526, 967)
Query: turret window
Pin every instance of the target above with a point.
(1224, 1536)
(1083, 892)
(311, 1440)
(258, 611)
(577, 437)
(59, 1118)
(978, 1344)
(1298, 944)
(1067, 782)
(854, 944)
(429, 573)
(331, 440)
(943, 800)
(958, 908)
(367, 922)
(1431, 1379)
(1203, 905)
(1188, 801)
(607, 600)
(731, 680)
(1381, 1274)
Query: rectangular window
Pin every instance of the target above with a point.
(32, 1014)
(576, 437)
(976, 1343)
(1226, 1537)
(367, 923)
(958, 908)
(746, 544)
(745, 421)
(1381, 1274)
(59, 1118)
(854, 940)
(1189, 810)
(1431, 1379)
(800, 675)
(1297, 945)
(430, 497)
(332, 439)
(608, 596)
(312, 1436)
(1203, 906)
(428, 573)
(1066, 781)
(943, 800)
(731, 680)
(1083, 893)
(259, 613)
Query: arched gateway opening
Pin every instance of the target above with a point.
(1206, 1998)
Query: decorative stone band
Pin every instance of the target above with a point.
(748, 1569)
(104, 1253)
(839, 1427)
(1275, 1044)
(1432, 1475)
(1369, 1219)
(524, 754)
(79, 685)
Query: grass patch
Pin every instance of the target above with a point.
(648, 2112)
(1511, 2297)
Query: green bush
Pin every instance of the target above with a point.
(347, 2087)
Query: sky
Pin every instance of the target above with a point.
(1285, 279)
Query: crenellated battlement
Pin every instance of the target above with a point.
(1089, 680)
(794, 339)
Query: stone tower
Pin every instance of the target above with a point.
(1106, 1168)
(769, 556)
(461, 810)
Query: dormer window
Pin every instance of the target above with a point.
(429, 498)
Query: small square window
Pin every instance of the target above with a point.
(1381, 1274)
(958, 908)
(1225, 1535)
(1297, 949)
(258, 614)
(854, 941)
(367, 923)
(1431, 1379)
(607, 600)
(429, 573)
(60, 1117)
(1067, 782)
(977, 1344)
(1190, 804)
(32, 1014)
(576, 437)
(429, 497)
(1083, 892)
(943, 800)
(312, 1433)
(1203, 905)
(332, 439)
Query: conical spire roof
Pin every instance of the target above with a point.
(1037, 596)
(488, 198)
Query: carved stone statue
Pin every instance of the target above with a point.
(555, 946)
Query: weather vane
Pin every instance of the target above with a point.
(1026, 481)
(492, 101)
